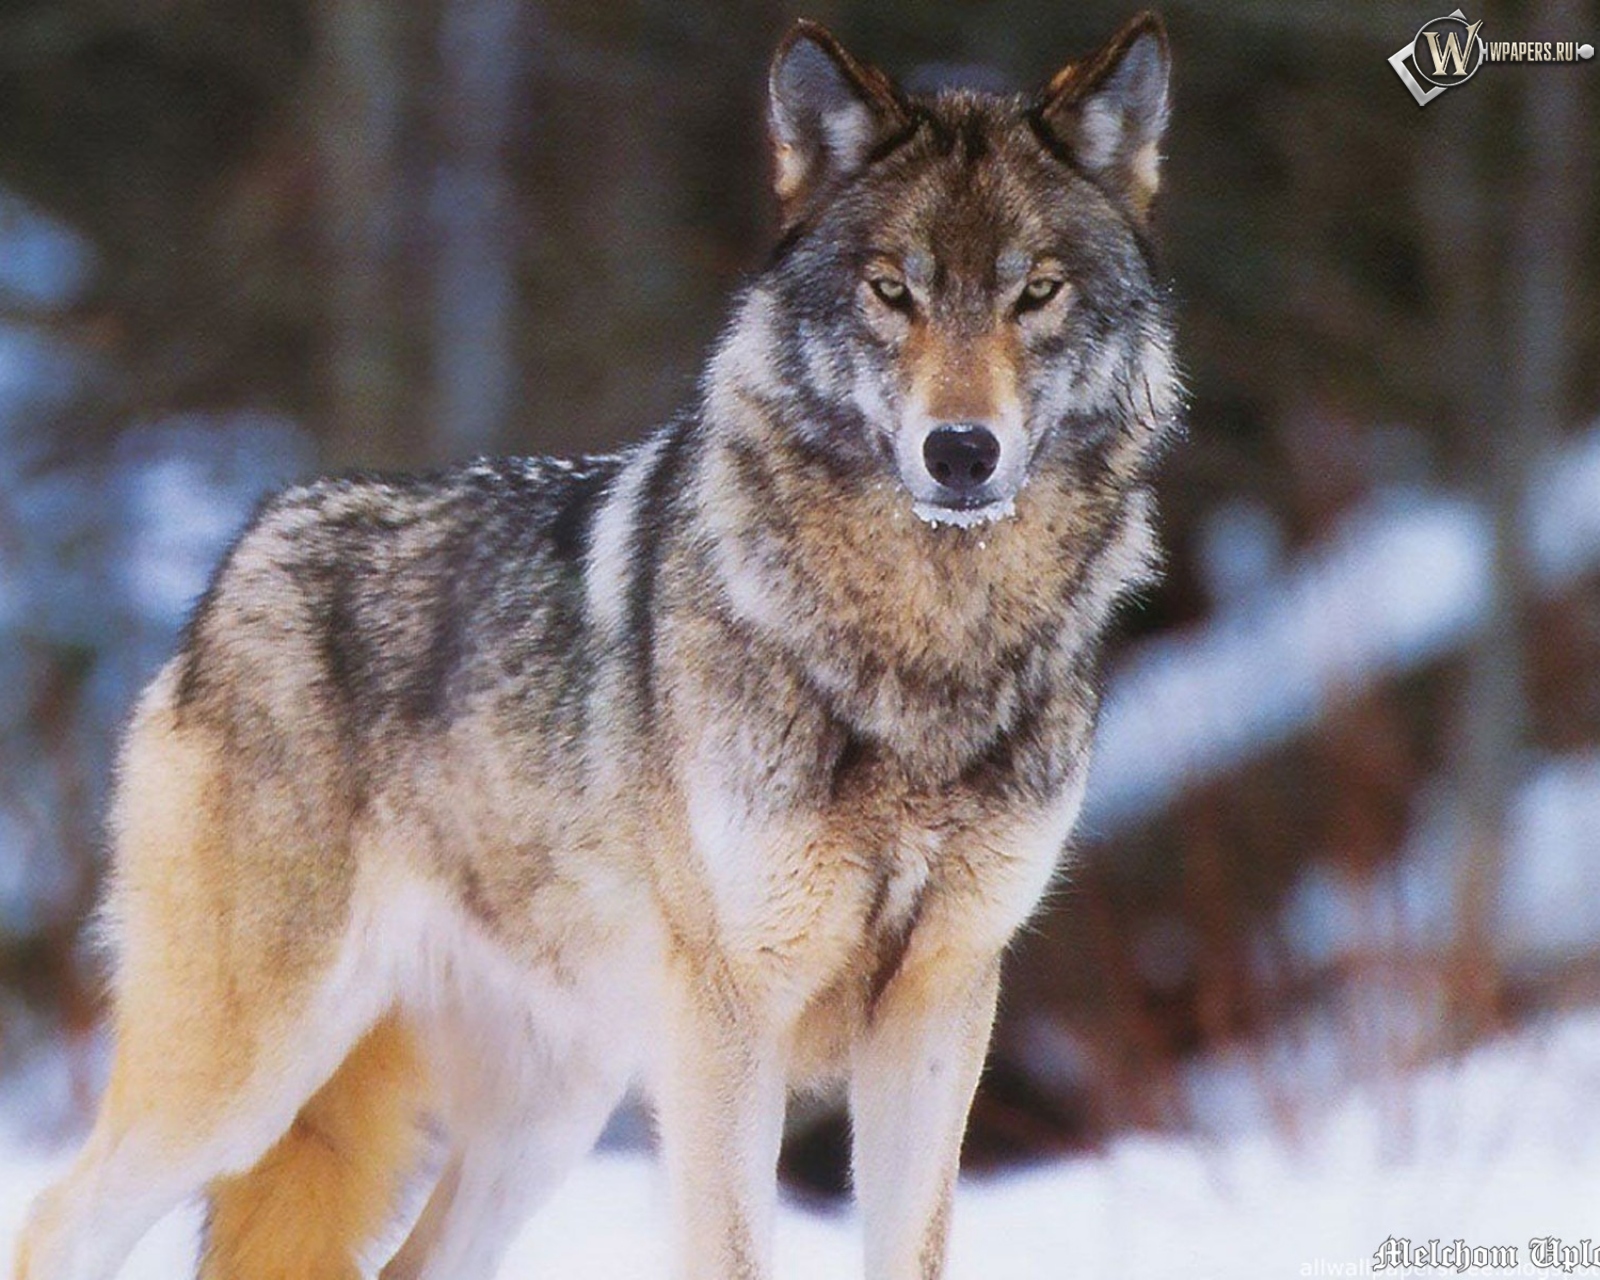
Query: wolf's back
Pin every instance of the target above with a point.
(372, 609)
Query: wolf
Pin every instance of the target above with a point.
(722, 766)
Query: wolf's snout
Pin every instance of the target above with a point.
(961, 456)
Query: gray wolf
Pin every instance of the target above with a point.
(723, 765)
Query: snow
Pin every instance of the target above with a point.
(1547, 888)
(1397, 585)
(1552, 877)
(959, 518)
(1403, 581)
(188, 485)
(1241, 549)
(1497, 1148)
(1563, 527)
(42, 263)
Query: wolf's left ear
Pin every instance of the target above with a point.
(1109, 111)
(826, 111)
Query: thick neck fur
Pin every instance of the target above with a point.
(907, 629)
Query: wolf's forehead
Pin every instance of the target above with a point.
(984, 230)
(966, 206)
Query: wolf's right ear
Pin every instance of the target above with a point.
(826, 112)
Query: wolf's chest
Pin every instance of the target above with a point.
(801, 889)
(825, 830)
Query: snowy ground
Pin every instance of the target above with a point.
(1497, 1149)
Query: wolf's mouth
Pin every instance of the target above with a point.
(965, 517)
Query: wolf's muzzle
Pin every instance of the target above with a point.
(961, 457)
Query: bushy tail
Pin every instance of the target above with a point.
(326, 1190)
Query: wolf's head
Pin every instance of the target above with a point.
(963, 286)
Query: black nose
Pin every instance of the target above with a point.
(961, 456)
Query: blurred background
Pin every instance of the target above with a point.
(1345, 818)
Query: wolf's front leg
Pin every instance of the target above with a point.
(720, 1098)
(915, 1070)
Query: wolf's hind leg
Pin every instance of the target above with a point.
(513, 1143)
(163, 1132)
(326, 1189)
(232, 1001)
(83, 1227)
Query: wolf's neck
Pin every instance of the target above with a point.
(907, 626)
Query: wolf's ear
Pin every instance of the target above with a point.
(826, 111)
(1109, 111)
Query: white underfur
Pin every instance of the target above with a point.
(143, 1177)
(743, 359)
(747, 853)
(738, 872)
(531, 1069)
(869, 398)
(607, 572)
(741, 366)
(749, 587)
(1096, 383)
(530, 1065)
(1161, 382)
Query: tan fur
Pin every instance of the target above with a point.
(328, 1186)
(215, 986)
(962, 377)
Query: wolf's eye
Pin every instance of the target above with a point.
(1038, 292)
(891, 292)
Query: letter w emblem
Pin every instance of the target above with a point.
(1454, 54)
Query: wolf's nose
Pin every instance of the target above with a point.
(961, 456)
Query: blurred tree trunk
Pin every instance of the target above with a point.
(1508, 312)
(481, 55)
(358, 116)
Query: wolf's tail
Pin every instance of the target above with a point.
(325, 1191)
